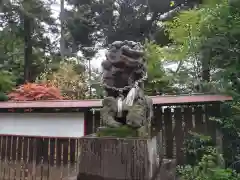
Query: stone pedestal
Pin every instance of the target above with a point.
(106, 158)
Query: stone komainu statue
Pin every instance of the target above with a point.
(124, 71)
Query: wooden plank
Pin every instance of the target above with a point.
(179, 135)
(97, 120)
(168, 132)
(65, 144)
(1, 157)
(6, 167)
(198, 117)
(62, 165)
(34, 159)
(16, 162)
(69, 157)
(215, 133)
(55, 152)
(156, 127)
(44, 161)
(117, 158)
(157, 124)
(49, 160)
(72, 151)
(26, 158)
(75, 162)
(21, 148)
(51, 146)
(10, 175)
(211, 110)
(40, 171)
(187, 115)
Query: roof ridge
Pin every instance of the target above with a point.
(91, 103)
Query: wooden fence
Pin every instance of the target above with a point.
(37, 158)
(175, 122)
(56, 158)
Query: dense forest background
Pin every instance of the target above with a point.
(191, 46)
(35, 45)
(38, 46)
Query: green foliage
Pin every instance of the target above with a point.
(11, 55)
(13, 34)
(221, 46)
(205, 161)
(6, 82)
(195, 146)
(184, 32)
(184, 27)
(121, 132)
(229, 123)
(117, 20)
(204, 44)
(71, 83)
(158, 79)
(206, 169)
(96, 84)
(3, 97)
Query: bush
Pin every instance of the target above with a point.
(33, 92)
(195, 146)
(205, 162)
(6, 82)
(3, 96)
(207, 169)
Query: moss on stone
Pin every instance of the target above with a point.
(120, 132)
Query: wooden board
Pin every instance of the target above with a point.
(106, 158)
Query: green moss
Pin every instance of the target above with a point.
(121, 132)
(3, 97)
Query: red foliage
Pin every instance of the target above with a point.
(34, 92)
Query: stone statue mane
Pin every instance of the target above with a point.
(124, 72)
(124, 65)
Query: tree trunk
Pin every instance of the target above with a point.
(27, 48)
(206, 70)
(62, 40)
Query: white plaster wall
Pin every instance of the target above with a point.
(42, 124)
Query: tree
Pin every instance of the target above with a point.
(24, 20)
(7, 82)
(68, 79)
(159, 80)
(209, 36)
(186, 32)
(95, 82)
(92, 21)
